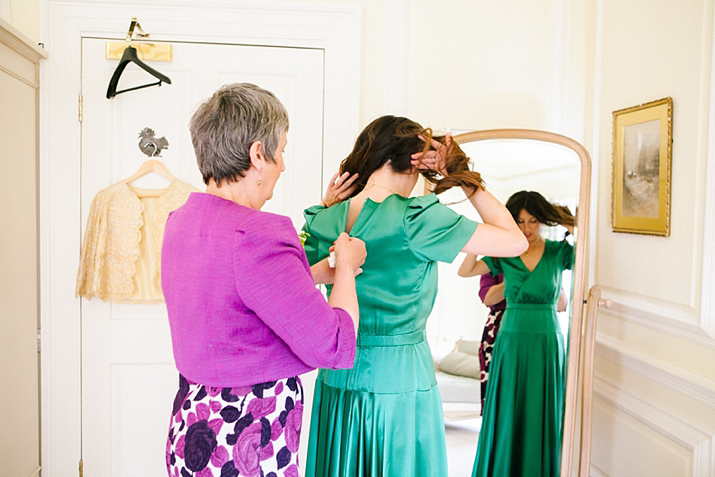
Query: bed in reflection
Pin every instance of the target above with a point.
(457, 375)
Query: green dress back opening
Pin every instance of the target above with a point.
(383, 417)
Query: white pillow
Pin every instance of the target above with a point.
(460, 364)
(469, 347)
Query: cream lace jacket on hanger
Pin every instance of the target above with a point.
(121, 252)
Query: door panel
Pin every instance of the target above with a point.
(128, 374)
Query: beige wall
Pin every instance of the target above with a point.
(23, 15)
(655, 369)
(474, 65)
(500, 58)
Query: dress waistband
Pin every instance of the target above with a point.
(374, 341)
(532, 306)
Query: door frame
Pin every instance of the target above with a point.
(334, 28)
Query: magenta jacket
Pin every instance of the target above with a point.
(242, 305)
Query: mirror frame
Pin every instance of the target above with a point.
(580, 264)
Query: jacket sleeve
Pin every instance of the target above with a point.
(89, 274)
(273, 279)
(486, 281)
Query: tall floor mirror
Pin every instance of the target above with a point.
(559, 168)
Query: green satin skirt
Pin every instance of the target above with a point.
(523, 411)
(383, 418)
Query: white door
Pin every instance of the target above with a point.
(128, 374)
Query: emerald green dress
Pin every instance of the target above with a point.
(384, 417)
(523, 411)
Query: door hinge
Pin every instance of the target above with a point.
(80, 108)
(81, 469)
(39, 340)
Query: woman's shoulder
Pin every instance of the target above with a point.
(265, 222)
(558, 243)
(321, 210)
(421, 201)
(319, 217)
(422, 206)
(238, 217)
(429, 209)
(258, 231)
(556, 246)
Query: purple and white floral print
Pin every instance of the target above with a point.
(489, 336)
(235, 432)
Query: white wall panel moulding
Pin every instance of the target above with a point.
(698, 439)
(596, 472)
(708, 259)
(666, 374)
(678, 320)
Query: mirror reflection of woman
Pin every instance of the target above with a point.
(383, 417)
(523, 409)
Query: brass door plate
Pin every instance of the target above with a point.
(145, 50)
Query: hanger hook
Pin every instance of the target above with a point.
(140, 33)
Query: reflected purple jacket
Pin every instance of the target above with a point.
(486, 281)
(243, 308)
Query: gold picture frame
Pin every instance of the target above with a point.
(642, 154)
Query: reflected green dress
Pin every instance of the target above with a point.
(384, 417)
(523, 411)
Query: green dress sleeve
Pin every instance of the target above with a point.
(566, 255)
(494, 265)
(434, 231)
(310, 242)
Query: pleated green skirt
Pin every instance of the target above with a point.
(383, 418)
(523, 412)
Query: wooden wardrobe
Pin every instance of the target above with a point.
(19, 257)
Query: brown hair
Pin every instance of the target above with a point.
(395, 139)
(536, 205)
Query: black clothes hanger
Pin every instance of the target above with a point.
(130, 56)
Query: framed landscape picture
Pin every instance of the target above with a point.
(642, 152)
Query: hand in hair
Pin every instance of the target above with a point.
(443, 163)
(567, 217)
(433, 159)
(340, 188)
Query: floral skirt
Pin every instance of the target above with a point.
(231, 432)
(489, 336)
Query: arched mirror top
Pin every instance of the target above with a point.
(527, 134)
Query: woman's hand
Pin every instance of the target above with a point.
(324, 271)
(349, 253)
(494, 295)
(434, 159)
(339, 188)
(569, 221)
(349, 256)
(563, 302)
